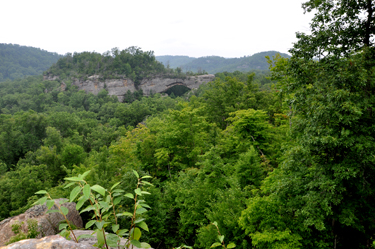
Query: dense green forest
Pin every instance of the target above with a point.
(19, 61)
(216, 64)
(282, 164)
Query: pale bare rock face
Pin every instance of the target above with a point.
(48, 223)
(49, 242)
(119, 87)
(58, 242)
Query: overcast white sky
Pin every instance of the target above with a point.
(168, 27)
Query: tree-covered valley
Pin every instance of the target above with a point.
(276, 159)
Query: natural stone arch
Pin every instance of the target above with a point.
(177, 83)
(178, 89)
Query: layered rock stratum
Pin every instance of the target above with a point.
(119, 87)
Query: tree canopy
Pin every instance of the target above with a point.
(338, 28)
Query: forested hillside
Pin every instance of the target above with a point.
(240, 161)
(216, 64)
(132, 63)
(174, 61)
(19, 61)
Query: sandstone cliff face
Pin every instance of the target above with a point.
(118, 87)
(115, 87)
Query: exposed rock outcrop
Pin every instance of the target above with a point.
(118, 87)
(48, 223)
(57, 242)
(49, 242)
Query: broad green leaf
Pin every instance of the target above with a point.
(141, 210)
(36, 203)
(53, 211)
(117, 201)
(115, 185)
(80, 203)
(143, 177)
(115, 228)
(221, 238)
(116, 194)
(144, 205)
(125, 214)
(143, 225)
(85, 174)
(90, 223)
(74, 179)
(88, 208)
(99, 189)
(215, 244)
(122, 232)
(129, 195)
(63, 201)
(118, 191)
(63, 226)
(74, 193)
(137, 233)
(231, 245)
(103, 204)
(136, 243)
(145, 245)
(136, 173)
(42, 200)
(138, 191)
(215, 223)
(69, 184)
(138, 220)
(104, 217)
(147, 183)
(145, 193)
(65, 233)
(50, 203)
(86, 191)
(108, 199)
(100, 237)
(41, 192)
(100, 224)
(112, 240)
(85, 236)
(64, 210)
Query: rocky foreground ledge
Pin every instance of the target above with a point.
(48, 224)
(49, 242)
(58, 242)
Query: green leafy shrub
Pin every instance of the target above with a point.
(32, 231)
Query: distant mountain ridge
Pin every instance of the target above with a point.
(215, 64)
(19, 61)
